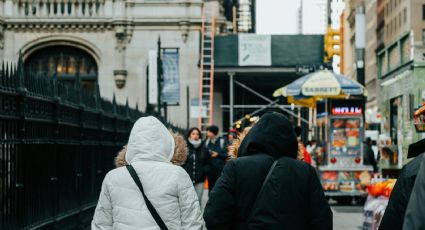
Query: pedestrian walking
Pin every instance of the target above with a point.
(150, 192)
(266, 187)
(217, 150)
(303, 154)
(311, 147)
(197, 163)
(369, 156)
(399, 199)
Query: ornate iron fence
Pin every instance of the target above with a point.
(57, 143)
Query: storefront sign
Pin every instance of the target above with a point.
(346, 107)
(353, 110)
(255, 50)
(195, 109)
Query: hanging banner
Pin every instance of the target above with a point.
(171, 83)
(255, 50)
(153, 77)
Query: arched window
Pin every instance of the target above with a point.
(64, 63)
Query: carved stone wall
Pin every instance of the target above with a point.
(118, 34)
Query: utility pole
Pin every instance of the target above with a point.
(159, 78)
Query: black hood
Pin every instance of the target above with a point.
(416, 148)
(273, 135)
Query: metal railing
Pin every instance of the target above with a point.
(56, 8)
(57, 143)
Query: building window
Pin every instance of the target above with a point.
(423, 12)
(386, 9)
(387, 31)
(423, 37)
(405, 15)
(396, 107)
(64, 63)
(394, 22)
(391, 27)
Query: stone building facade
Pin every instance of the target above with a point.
(106, 41)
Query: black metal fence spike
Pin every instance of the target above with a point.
(114, 105)
(6, 75)
(2, 68)
(2, 74)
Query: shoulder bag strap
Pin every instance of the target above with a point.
(262, 188)
(151, 208)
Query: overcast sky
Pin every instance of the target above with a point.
(277, 16)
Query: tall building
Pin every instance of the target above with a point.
(397, 21)
(336, 12)
(240, 15)
(349, 42)
(380, 25)
(400, 69)
(371, 80)
(313, 16)
(394, 69)
(336, 9)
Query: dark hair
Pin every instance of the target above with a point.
(368, 140)
(193, 129)
(298, 131)
(214, 129)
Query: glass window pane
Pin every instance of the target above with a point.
(63, 61)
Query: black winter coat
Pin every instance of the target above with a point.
(415, 213)
(197, 163)
(292, 198)
(220, 147)
(396, 209)
(369, 157)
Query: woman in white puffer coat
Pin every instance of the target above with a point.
(168, 187)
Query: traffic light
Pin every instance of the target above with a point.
(332, 43)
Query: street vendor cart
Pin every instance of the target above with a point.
(344, 174)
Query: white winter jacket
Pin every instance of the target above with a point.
(168, 187)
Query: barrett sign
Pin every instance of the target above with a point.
(320, 90)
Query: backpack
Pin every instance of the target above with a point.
(221, 141)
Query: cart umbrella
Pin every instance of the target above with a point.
(309, 89)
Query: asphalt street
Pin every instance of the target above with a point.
(347, 217)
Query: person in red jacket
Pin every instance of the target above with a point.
(303, 154)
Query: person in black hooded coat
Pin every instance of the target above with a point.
(292, 197)
(399, 199)
(415, 212)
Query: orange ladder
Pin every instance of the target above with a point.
(206, 87)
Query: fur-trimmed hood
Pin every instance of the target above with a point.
(179, 156)
(149, 141)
